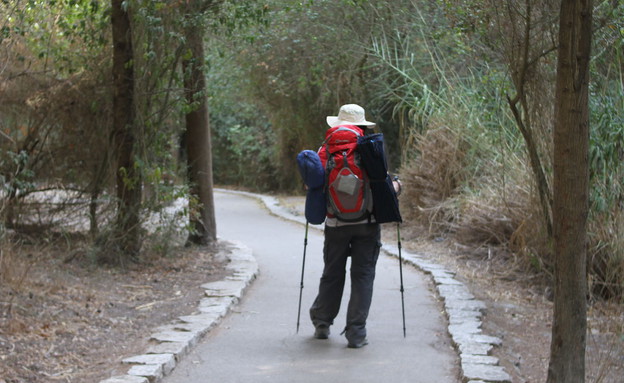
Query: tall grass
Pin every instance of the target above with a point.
(606, 225)
(463, 159)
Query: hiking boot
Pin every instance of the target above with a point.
(359, 344)
(321, 332)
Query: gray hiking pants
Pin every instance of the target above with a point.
(362, 243)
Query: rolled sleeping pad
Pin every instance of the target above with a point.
(313, 174)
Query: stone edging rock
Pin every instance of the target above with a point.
(171, 342)
(464, 313)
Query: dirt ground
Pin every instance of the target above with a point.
(63, 319)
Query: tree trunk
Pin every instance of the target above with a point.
(534, 159)
(198, 143)
(127, 227)
(571, 193)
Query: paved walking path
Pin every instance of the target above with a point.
(257, 341)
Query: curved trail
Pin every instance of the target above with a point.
(257, 341)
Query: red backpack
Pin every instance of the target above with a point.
(347, 185)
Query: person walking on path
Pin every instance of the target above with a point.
(356, 237)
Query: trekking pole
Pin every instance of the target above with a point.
(305, 245)
(401, 273)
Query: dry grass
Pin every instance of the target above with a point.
(506, 217)
(14, 268)
(495, 214)
(12, 276)
(432, 181)
(606, 255)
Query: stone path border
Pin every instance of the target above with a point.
(173, 341)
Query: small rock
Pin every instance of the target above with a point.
(126, 379)
(488, 373)
(153, 372)
(178, 349)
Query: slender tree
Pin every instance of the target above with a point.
(571, 193)
(198, 140)
(526, 38)
(127, 227)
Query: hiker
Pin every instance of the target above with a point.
(350, 229)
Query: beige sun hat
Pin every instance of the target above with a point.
(350, 114)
